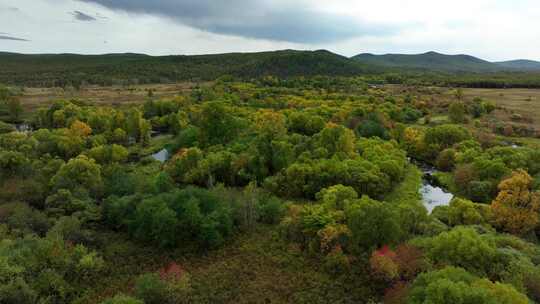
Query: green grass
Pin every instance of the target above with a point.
(407, 190)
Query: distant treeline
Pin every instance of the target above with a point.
(64, 70)
(68, 69)
(495, 80)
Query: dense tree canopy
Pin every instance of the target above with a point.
(311, 181)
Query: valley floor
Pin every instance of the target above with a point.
(255, 267)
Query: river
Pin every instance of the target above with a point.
(432, 194)
(161, 155)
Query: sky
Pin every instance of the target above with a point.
(490, 29)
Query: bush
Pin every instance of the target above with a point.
(24, 219)
(461, 247)
(445, 136)
(122, 299)
(446, 160)
(17, 292)
(270, 210)
(191, 214)
(6, 128)
(457, 286)
(532, 284)
(170, 284)
(464, 212)
(151, 289)
(457, 112)
(480, 191)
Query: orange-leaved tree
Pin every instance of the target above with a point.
(516, 208)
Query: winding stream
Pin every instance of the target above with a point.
(432, 194)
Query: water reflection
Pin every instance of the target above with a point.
(433, 196)
(161, 156)
(23, 127)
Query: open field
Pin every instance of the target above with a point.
(114, 95)
(517, 107)
(522, 101)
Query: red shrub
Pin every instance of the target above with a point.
(383, 265)
(397, 294)
(171, 273)
(410, 261)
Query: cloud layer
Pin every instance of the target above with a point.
(4, 36)
(80, 16)
(494, 30)
(258, 19)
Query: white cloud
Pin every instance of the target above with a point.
(491, 29)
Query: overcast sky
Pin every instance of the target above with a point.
(490, 29)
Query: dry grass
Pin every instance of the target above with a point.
(115, 95)
(525, 102)
(522, 101)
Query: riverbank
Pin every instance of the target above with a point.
(408, 190)
(420, 185)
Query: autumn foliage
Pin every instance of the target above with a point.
(405, 262)
(171, 273)
(397, 294)
(516, 208)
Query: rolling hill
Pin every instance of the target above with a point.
(47, 70)
(433, 61)
(521, 64)
(59, 69)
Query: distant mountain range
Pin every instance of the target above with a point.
(62, 69)
(434, 61)
(521, 64)
(57, 69)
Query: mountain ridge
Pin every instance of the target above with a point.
(435, 61)
(127, 68)
(57, 69)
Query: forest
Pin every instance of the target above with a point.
(269, 190)
(430, 69)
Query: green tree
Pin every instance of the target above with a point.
(155, 221)
(464, 212)
(337, 197)
(217, 124)
(461, 247)
(457, 112)
(445, 136)
(336, 139)
(372, 223)
(14, 108)
(457, 286)
(304, 123)
(79, 173)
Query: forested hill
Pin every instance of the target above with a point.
(434, 61)
(60, 69)
(522, 64)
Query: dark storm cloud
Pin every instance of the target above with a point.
(253, 19)
(82, 16)
(4, 36)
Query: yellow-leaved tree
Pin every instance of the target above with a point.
(80, 129)
(516, 208)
